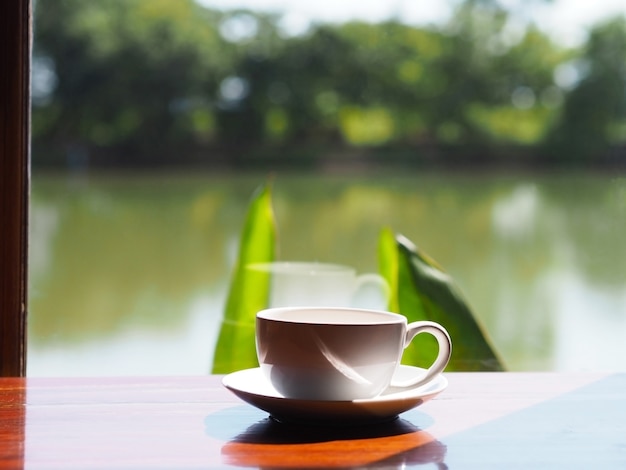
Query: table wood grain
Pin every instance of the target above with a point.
(483, 420)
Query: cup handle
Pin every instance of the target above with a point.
(445, 351)
(373, 279)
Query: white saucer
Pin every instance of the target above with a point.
(252, 387)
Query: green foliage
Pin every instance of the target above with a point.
(130, 74)
(249, 289)
(421, 290)
(509, 124)
(147, 81)
(595, 109)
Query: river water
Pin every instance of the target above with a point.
(128, 273)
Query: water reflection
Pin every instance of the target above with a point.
(128, 275)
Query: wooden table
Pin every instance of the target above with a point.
(483, 420)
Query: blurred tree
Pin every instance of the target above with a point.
(139, 82)
(131, 75)
(594, 114)
(243, 95)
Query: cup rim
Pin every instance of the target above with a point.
(304, 267)
(378, 317)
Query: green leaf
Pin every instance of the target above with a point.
(249, 289)
(421, 290)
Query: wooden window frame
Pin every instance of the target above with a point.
(15, 60)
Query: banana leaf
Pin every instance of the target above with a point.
(421, 290)
(249, 289)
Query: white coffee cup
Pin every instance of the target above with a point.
(332, 353)
(314, 284)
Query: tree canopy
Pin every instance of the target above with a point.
(140, 83)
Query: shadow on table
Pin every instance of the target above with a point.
(269, 444)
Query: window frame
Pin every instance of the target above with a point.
(15, 59)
